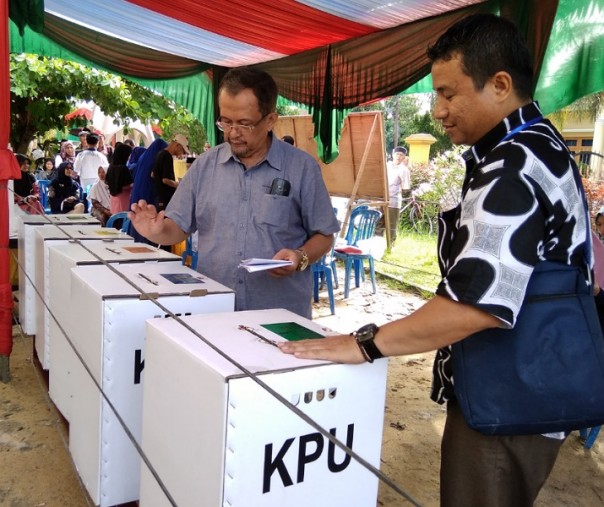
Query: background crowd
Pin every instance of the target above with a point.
(92, 176)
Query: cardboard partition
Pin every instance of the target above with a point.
(359, 172)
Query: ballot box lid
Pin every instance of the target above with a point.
(147, 280)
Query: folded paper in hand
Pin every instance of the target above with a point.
(253, 265)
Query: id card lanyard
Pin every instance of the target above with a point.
(520, 128)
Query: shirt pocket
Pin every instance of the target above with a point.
(274, 210)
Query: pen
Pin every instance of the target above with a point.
(114, 251)
(148, 279)
(258, 335)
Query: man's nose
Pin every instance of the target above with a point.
(439, 111)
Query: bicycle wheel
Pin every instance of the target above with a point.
(421, 221)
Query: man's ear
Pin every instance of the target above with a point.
(271, 120)
(502, 85)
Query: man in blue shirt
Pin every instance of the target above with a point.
(252, 196)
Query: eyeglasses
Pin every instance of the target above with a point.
(246, 129)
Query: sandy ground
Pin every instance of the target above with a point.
(36, 469)
(413, 424)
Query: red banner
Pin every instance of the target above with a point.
(9, 169)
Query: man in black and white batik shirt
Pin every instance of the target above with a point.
(520, 204)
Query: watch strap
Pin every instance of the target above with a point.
(303, 264)
(365, 340)
(371, 350)
(366, 356)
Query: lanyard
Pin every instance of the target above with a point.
(520, 128)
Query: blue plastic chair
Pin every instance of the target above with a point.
(43, 186)
(350, 232)
(189, 253)
(361, 227)
(323, 272)
(119, 221)
(590, 435)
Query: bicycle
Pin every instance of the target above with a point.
(419, 215)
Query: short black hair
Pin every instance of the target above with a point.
(92, 139)
(260, 82)
(288, 140)
(487, 44)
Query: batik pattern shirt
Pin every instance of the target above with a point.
(520, 204)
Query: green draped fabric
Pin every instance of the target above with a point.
(27, 13)
(573, 65)
(565, 36)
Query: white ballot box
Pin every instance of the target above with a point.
(108, 333)
(46, 237)
(61, 259)
(216, 438)
(27, 258)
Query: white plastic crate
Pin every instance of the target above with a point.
(27, 259)
(109, 334)
(217, 439)
(62, 258)
(48, 236)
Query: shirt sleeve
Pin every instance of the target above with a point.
(495, 244)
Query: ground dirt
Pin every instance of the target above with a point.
(36, 469)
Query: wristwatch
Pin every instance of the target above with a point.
(303, 264)
(365, 340)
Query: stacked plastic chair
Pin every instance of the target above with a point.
(189, 253)
(324, 271)
(43, 186)
(363, 222)
(119, 221)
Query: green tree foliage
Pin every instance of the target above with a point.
(43, 90)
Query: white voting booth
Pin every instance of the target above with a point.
(108, 331)
(215, 438)
(48, 236)
(61, 259)
(27, 259)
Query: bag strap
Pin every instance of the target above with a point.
(588, 251)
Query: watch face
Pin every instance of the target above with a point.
(367, 332)
(303, 264)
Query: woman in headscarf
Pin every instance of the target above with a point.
(66, 154)
(144, 186)
(136, 154)
(119, 179)
(100, 198)
(64, 192)
(26, 190)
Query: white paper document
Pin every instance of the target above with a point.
(253, 265)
